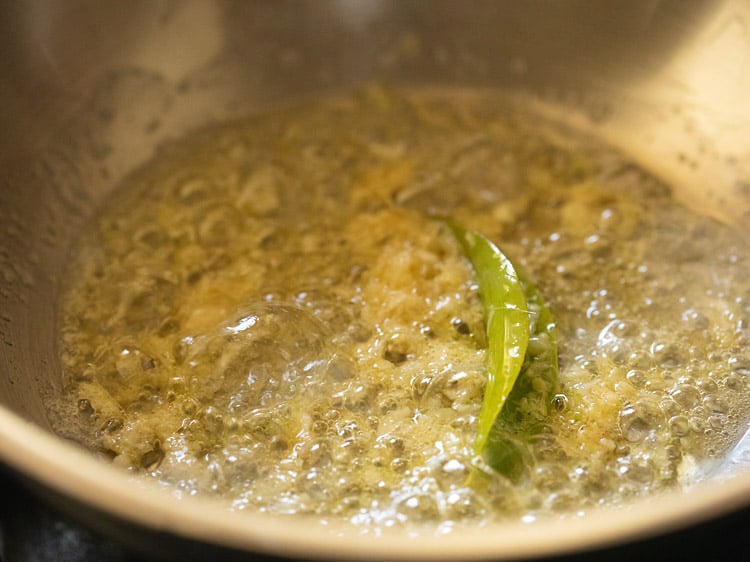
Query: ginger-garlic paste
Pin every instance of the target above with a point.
(269, 313)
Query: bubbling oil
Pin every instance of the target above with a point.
(268, 313)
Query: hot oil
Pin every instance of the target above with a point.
(269, 313)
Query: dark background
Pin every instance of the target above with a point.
(33, 532)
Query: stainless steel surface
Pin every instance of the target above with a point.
(89, 90)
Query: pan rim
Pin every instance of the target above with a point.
(68, 470)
